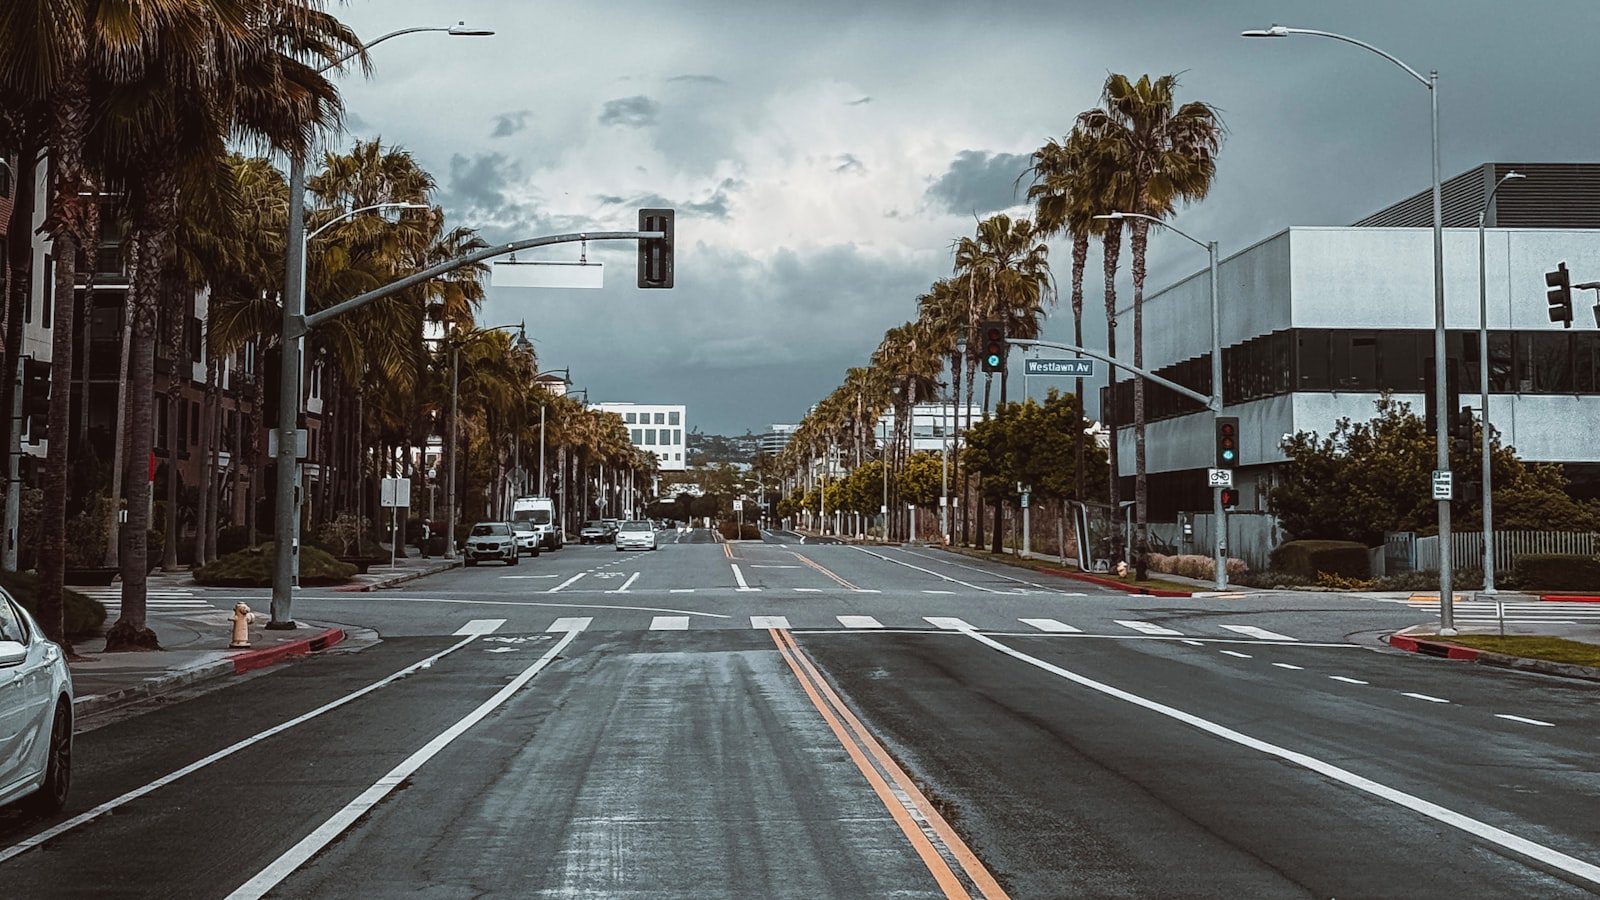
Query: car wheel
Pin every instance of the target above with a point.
(52, 795)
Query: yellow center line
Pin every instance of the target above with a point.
(820, 568)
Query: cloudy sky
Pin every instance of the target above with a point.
(822, 156)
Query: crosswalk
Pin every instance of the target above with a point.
(1484, 612)
(156, 601)
(860, 623)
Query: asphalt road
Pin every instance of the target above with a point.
(782, 719)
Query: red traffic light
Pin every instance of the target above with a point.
(1230, 498)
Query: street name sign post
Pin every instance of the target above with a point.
(394, 493)
(1068, 368)
(1443, 484)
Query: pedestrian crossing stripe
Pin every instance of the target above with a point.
(1237, 633)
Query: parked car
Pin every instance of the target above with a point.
(35, 714)
(491, 540)
(541, 511)
(594, 533)
(636, 535)
(529, 538)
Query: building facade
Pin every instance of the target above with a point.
(775, 439)
(933, 425)
(658, 428)
(1318, 323)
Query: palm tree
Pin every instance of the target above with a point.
(1164, 154)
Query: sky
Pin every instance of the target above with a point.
(824, 156)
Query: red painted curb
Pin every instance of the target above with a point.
(1113, 583)
(1431, 648)
(1570, 598)
(266, 656)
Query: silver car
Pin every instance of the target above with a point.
(35, 713)
(637, 535)
(492, 540)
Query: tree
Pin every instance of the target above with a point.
(1161, 154)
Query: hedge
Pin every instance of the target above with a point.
(253, 568)
(730, 531)
(1347, 559)
(81, 616)
(1556, 572)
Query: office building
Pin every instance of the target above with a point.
(655, 427)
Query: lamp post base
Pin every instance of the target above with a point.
(285, 625)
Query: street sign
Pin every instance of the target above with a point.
(1025, 496)
(395, 492)
(548, 273)
(1219, 478)
(1070, 368)
(301, 442)
(1443, 484)
(738, 506)
(944, 501)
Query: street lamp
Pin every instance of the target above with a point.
(1442, 430)
(566, 379)
(1483, 385)
(1219, 534)
(287, 507)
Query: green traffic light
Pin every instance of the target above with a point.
(994, 360)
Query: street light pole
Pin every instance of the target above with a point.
(1440, 344)
(1483, 385)
(286, 517)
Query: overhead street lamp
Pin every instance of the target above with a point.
(1441, 392)
(287, 506)
(1219, 535)
(1483, 385)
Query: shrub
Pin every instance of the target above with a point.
(1341, 583)
(253, 568)
(1556, 572)
(1271, 579)
(87, 548)
(81, 616)
(1346, 559)
(1193, 565)
(232, 539)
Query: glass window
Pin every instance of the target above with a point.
(631, 419)
(11, 624)
(677, 435)
(661, 418)
(1501, 372)
(649, 435)
(1586, 363)
(1548, 363)
(1311, 362)
(1355, 361)
(638, 436)
(672, 417)
(677, 457)
(1400, 361)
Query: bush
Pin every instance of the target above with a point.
(253, 568)
(1193, 565)
(730, 531)
(1346, 559)
(81, 616)
(1271, 579)
(1556, 572)
(232, 539)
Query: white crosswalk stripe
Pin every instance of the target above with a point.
(947, 623)
(1262, 633)
(859, 622)
(669, 623)
(572, 623)
(1148, 628)
(769, 621)
(1052, 626)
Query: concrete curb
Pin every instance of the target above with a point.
(235, 664)
(1446, 650)
(1110, 583)
(393, 580)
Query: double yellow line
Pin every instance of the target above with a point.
(914, 813)
(820, 568)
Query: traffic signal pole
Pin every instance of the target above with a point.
(1219, 515)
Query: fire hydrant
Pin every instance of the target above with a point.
(1122, 571)
(242, 617)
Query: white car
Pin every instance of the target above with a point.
(638, 535)
(35, 713)
(529, 537)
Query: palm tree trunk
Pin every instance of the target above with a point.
(1141, 494)
(53, 535)
(1111, 246)
(120, 440)
(176, 311)
(1080, 257)
(251, 438)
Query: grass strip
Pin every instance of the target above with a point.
(1530, 646)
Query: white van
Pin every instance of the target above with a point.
(541, 511)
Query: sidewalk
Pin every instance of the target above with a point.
(194, 650)
(405, 569)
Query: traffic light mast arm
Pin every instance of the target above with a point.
(394, 287)
(1211, 403)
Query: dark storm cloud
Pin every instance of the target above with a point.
(714, 206)
(859, 101)
(695, 79)
(479, 181)
(978, 182)
(507, 124)
(637, 111)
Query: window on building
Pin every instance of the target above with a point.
(672, 418)
(677, 435)
(1586, 363)
(1401, 359)
(677, 457)
(194, 422)
(649, 435)
(631, 419)
(1544, 362)
(46, 303)
(5, 177)
(1355, 361)
(638, 436)
(1311, 360)
(661, 418)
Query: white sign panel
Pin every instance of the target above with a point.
(396, 492)
(1443, 484)
(1222, 478)
(548, 274)
(301, 442)
(738, 506)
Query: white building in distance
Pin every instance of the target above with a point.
(658, 428)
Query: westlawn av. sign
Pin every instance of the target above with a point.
(1070, 368)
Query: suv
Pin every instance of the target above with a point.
(594, 533)
(529, 538)
(491, 540)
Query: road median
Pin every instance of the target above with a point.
(1541, 654)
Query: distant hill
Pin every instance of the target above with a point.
(716, 448)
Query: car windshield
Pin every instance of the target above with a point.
(636, 526)
(523, 527)
(593, 525)
(489, 529)
(536, 516)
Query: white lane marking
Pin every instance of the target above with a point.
(85, 817)
(1192, 643)
(687, 612)
(1051, 625)
(313, 843)
(681, 591)
(1147, 627)
(753, 566)
(480, 626)
(1423, 697)
(1290, 667)
(524, 577)
(626, 584)
(769, 621)
(1538, 852)
(566, 583)
(739, 577)
(981, 571)
(939, 592)
(1524, 721)
(1237, 653)
(808, 590)
(1348, 680)
(669, 623)
(859, 622)
(928, 571)
(865, 591)
(947, 623)
(502, 650)
(1253, 631)
(570, 623)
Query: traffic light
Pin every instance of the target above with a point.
(1461, 432)
(1227, 442)
(1560, 295)
(35, 387)
(1230, 498)
(655, 256)
(993, 339)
